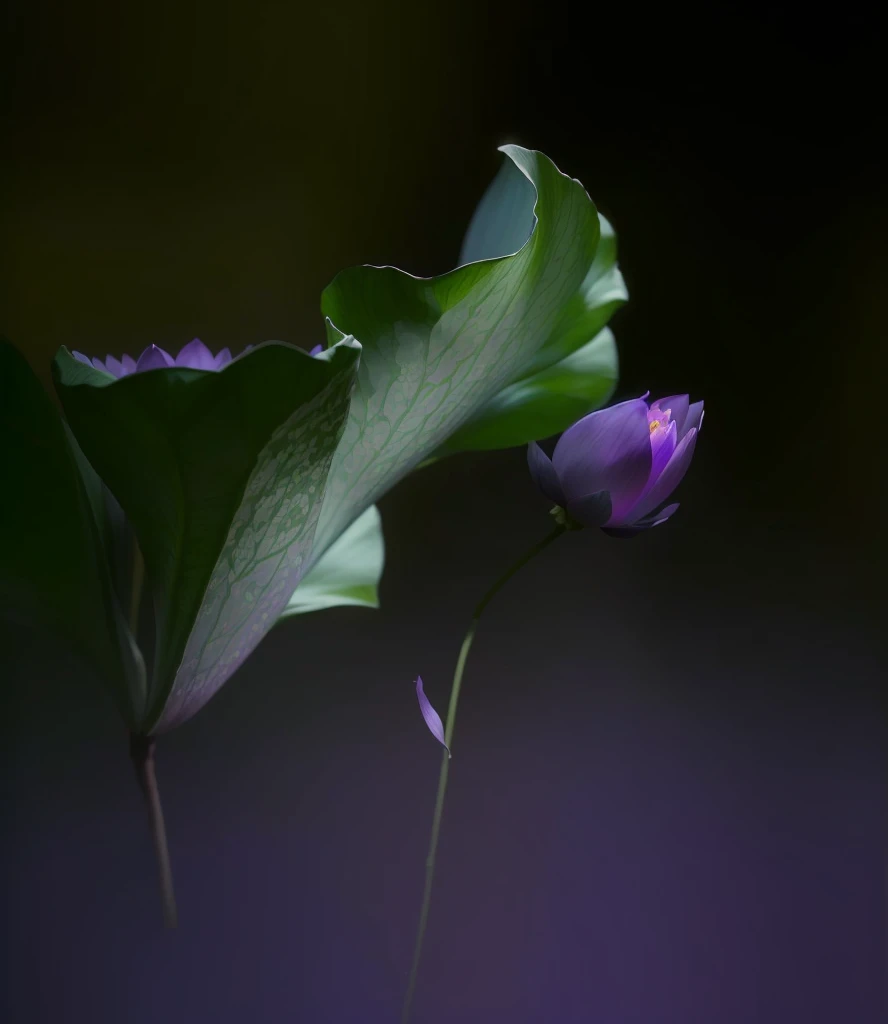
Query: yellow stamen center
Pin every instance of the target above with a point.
(653, 425)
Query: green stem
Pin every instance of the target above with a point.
(142, 753)
(445, 760)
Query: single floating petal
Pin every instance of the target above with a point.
(431, 716)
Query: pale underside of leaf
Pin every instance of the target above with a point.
(348, 573)
(266, 552)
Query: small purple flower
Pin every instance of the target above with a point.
(616, 467)
(194, 356)
(431, 716)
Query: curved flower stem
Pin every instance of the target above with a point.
(445, 759)
(142, 753)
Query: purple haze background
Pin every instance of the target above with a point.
(667, 789)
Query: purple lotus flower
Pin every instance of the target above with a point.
(194, 356)
(616, 467)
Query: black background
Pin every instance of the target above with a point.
(667, 796)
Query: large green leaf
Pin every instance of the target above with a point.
(221, 475)
(349, 571)
(436, 350)
(589, 309)
(52, 568)
(546, 402)
(502, 221)
(575, 370)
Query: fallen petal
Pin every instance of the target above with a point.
(431, 716)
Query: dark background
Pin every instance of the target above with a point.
(667, 796)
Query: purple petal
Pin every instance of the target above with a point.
(98, 364)
(678, 410)
(431, 716)
(222, 359)
(113, 365)
(660, 517)
(81, 358)
(196, 356)
(128, 364)
(317, 350)
(593, 510)
(609, 450)
(694, 418)
(153, 358)
(663, 444)
(668, 480)
(624, 532)
(543, 473)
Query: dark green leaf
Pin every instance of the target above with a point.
(222, 476)
(600, 295)
(545, 400)
(545, 403)
(502, 223)
(52, 569)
